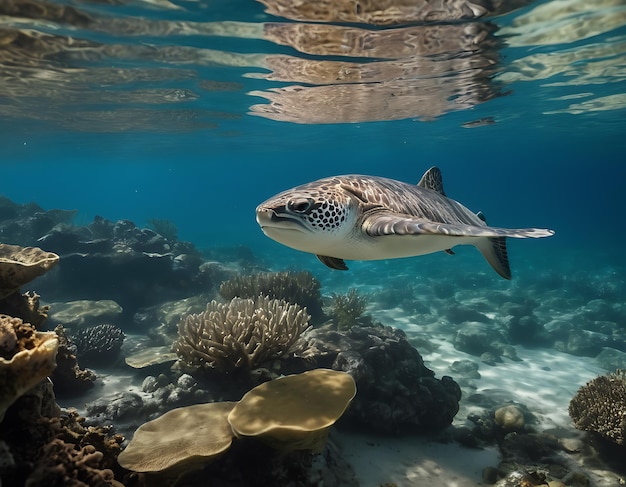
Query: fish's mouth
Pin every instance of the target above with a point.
(270, 218)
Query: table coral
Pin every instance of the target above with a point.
(20, 265)
(243, 333)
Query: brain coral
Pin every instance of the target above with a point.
(600, 406)
(243, 333)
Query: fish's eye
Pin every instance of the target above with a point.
(300, 205)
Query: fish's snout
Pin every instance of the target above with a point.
(264, 214)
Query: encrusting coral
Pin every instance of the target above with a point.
(600, 406)
(26, 358)
(243, 333)
(294, 287)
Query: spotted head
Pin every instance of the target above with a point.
(311, 218)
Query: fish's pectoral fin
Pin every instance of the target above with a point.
(449, 251)
(333, 262)
(432, 180)
(494, 251)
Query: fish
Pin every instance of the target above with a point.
(359, 217)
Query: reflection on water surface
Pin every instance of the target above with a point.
(113, 66)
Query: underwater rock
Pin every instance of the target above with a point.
(585, 343)
(465, 368)
(396, 392)
(83, 313)
(478, 338)
(122, 407)
(98, 345)
(25, 224)
(611, 359)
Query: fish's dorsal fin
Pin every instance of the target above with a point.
(333, 262)
(432, 180)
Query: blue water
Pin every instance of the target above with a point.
(126, 129)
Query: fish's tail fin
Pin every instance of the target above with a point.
(494, 250)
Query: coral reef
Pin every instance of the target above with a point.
(165, 228)
(83, 313)
(347, 310)
(290, 413)
(68, 378)
(25, 306)
(600, 407)
(20, 265)
(300, 288)
(26, 358)
(243, 333)
(67, 465)
(397, 392)
(98, 345)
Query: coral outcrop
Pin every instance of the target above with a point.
(243, 333)
(600, 406)
(67, 465)
(26, 358)
(68, 378)
(20, 265)
(300, 288)
(397, 392)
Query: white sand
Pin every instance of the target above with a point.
(414, 461)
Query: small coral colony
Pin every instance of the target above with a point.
(236, 363)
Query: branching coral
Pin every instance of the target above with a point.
(346, 309)
(294, 287)
(600, 406)
(243, 333)
(97, 345)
